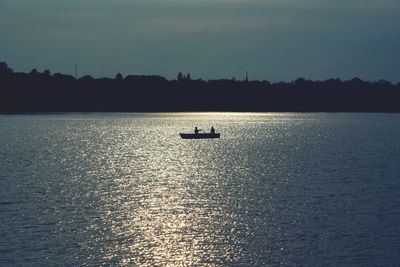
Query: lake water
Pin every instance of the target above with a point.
(276, 189)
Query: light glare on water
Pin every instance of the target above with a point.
(275, 189)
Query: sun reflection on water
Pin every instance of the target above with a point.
(156, 199)
(164, 206)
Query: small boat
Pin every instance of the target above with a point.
(199, 135)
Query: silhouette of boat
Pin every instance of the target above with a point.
(199, 135)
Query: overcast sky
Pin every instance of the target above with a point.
(273, 39)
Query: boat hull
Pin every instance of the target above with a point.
(200, 135)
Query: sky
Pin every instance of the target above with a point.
(275, 40)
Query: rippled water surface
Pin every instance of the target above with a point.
(275, 189)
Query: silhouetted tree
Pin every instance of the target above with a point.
(86, 78)
(384, 82)
(46, 73)
(300, 82)
(180, 76)
(34, 72)
(119, 76)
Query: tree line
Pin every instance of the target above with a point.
(45, 92)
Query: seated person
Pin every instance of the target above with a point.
(196, 131)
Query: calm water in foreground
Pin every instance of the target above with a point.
(124, 189)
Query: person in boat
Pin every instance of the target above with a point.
(212, 130)
(196, 131)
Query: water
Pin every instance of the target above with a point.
(124, 189)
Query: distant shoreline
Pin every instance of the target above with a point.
(44, 93)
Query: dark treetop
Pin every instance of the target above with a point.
(43, 92)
